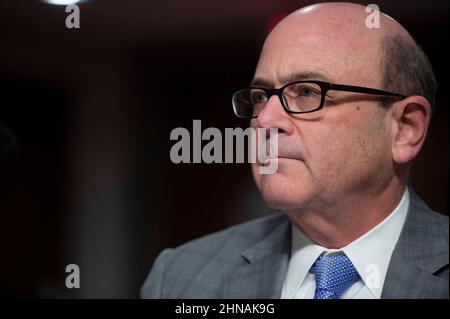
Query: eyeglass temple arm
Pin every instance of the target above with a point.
(359, 89)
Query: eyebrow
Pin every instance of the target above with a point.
(292, 77)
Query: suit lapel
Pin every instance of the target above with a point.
(419, 253)
(404, 280)
(264, 266)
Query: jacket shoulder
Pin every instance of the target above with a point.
(206, 261)
(427, 221)
(424, 238)
(236, 237)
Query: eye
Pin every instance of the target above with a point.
(258, 97)
(307, 91)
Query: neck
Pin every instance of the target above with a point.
(341, 223)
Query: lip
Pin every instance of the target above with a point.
(277, 158)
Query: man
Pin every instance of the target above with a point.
(349, 226)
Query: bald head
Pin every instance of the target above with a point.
(346, 17)
(337, 35)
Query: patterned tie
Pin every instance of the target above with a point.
(334, 274)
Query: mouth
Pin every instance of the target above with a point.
(267, 161)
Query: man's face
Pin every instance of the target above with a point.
(341, 150)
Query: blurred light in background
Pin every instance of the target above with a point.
(63, 2)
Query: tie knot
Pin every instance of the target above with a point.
(334, 274)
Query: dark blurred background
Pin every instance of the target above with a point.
(91, 182)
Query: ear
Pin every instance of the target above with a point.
(411, 118)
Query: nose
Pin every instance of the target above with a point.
(273, 115)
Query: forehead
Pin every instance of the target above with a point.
(345, 54)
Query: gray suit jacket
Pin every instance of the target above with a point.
(250, 261)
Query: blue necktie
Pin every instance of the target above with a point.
(334, 274)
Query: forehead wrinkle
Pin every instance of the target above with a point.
(319, 74)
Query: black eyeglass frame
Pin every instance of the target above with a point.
(324, 88)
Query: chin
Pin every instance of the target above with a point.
(280, 192)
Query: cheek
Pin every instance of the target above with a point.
(347, 150)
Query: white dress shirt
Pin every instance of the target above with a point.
(370, 254)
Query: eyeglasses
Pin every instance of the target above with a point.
(296, 97)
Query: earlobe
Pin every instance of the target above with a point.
(411, 118)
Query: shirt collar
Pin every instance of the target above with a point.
(370, 253)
